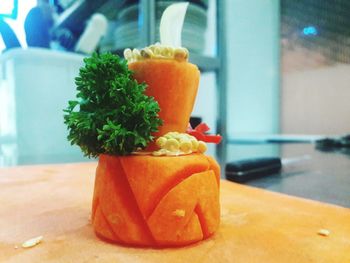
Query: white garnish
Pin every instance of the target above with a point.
(324, 232)
(32, 242)
(170, 29)
(179, 213)
(171, 24)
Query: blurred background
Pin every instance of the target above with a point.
(270, 69)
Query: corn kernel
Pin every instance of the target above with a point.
(179, 213)
(180, 54)
(172, 145)
(160, 142)
(174, 133)
(182, 136)
(202, 147)
(324, 232)
(146, 52)
(127, 54)
(167, 136)
(168, 51)
(156, 50)
(136, 53)
(195, 144)
(185, 146)
(32, 242)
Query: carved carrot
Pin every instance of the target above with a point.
(174, 86)
(156, 201)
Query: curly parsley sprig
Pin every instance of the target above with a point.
(111, 114)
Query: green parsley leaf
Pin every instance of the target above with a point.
(111, 114)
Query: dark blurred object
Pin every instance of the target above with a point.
(203, 3)
(341, 145)
(249, 169)
(58, 7)
(195, 121)
(65, 38)
(8, 35)
(74, 18)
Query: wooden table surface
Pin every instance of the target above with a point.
(256, 225)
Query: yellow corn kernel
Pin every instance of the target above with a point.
(156, 51)
(182, 136)
(168, 51)
(202, 147)
(195, 144)
(180, 54)
(324, 232)
(32, 242)
(160, 142)
(171, 135)
(146, 52)
(127, 54)
(179, 213)
(185, 146)
(159, 152)
(167, 136)
(136, 54)
(172, 145)
(192, 137)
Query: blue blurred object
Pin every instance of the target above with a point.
(37, 26)
(310, 30)
(8, 35)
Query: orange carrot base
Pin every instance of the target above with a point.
(156, 201)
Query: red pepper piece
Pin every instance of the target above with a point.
(199, 134)
(213, 139)
(202, 127)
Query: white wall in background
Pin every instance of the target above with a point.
(205, 105)
(37, 84)
(316, 101)
(253, 66)
(253, 46)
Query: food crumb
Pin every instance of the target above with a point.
(32, 242)
(179, 213)
(324, 232)
(16, 247)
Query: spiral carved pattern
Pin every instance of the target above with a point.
(156, 201)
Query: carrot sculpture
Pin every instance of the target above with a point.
(150, 201)
(165, 198)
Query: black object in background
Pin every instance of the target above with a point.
(337, 145)
(248, 169)
(195, 121)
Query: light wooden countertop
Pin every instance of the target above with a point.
(54, 201)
